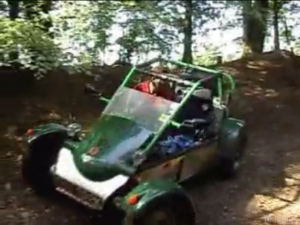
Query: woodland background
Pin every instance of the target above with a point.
(48, 49)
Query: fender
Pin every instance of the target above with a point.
(150, 192)
(43, 130)
(233, 136)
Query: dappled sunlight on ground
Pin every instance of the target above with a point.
(266, 193)
(259, 65)
(277, 204)
(261, 93)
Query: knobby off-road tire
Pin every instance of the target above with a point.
(164, 212)
(230, 163)
(37, 162)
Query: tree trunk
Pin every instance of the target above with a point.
(262, 7)
(276, 9)
(255, 17)
(247, 7)
(188, 32)
(14, 9)
(287, 34)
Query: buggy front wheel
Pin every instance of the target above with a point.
(165, 214)
(37, 161)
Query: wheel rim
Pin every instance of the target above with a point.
(161, 218)
(236, 164)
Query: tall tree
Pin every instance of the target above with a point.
(188, 32)
(14, 9)
(279, 12)
(255, 16)
(276, 6)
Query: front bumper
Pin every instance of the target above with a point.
(66, 170)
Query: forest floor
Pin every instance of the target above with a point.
(266, 192)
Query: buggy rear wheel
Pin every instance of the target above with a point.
(230, 164)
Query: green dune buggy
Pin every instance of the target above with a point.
(142, 147)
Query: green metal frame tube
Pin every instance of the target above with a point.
(127, 78)
(192, 66)
(170, 121)
(216, 72)
(125, 81)
(107, 100)
(231, 81)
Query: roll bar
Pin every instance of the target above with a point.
(141, 67)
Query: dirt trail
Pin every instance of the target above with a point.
(266, 192)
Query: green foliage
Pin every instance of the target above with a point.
(208, 57)
(82, 28)
(144, 30)
(35, 49)
(81, 31)
(3, 6)
(297, 48)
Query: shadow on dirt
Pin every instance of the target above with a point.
(267, 190)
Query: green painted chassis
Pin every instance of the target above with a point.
(154, 190)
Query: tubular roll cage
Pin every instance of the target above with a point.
(174, 78)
